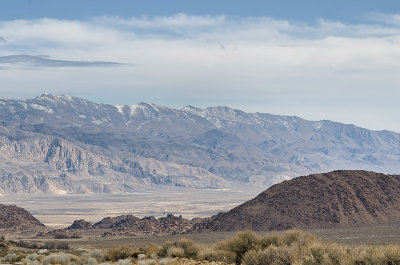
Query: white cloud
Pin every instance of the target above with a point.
(327, 69)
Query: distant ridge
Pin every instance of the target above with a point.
(343, 198)
(16, 219)
(63, 144)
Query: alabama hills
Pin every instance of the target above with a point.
(63, 144)
(338, 199)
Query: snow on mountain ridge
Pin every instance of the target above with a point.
(213, 142)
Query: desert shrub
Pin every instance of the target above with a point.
(12, 258)
(328, 253)
(391, 255)
(3, 248)
(90, 257)
(91, 261)
(152, 251)
(241, 243)
(121, 253)
(189, 248)
(272, 255)
(289, 237)
(61, 258)
(32, 259)
(164, 261)
(338, 255)
(270, 239)
(34, 262)
(317, 256)
(216, 254)
(386, 255)
(176, 252)
(124, 262)
(147, 262)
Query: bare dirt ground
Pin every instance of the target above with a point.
(61, 211)
(368, 235)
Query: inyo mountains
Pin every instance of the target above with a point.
(63, 144)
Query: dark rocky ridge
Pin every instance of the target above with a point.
(16, 219)
(343, 198)
(129, 224)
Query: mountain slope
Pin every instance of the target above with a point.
(336, 199)
(147, 144)
(55, 166)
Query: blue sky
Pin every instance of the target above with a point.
(349, 11)
(337, 60)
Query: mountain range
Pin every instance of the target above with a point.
(64, 144)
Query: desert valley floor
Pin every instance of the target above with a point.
(60, 211)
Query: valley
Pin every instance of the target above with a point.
(364, 235)
(61, 211)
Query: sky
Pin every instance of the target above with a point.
(336, 60)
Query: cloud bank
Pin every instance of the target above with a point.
(323, 70)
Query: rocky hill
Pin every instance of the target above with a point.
(336, 199)
(63, 144)
(16, 219)
(129, 224)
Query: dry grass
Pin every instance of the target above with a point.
(247, 248)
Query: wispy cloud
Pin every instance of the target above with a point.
(41, 61)
(326, 69)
